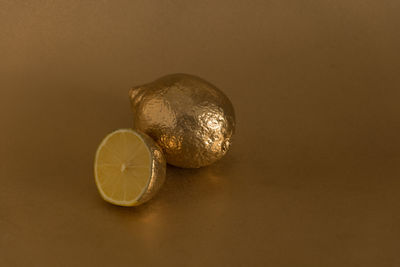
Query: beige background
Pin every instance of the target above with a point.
(312, 180)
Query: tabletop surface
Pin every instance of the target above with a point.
(312, 178)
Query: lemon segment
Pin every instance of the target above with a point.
(127, 165)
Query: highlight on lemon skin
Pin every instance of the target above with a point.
(129, 168)
(190, 119)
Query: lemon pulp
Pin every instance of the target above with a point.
(123, 167)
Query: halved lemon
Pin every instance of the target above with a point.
(129, 168)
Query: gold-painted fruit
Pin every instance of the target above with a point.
(129, 168)
(191, 119)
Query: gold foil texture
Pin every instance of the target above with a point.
(157, 171)
(192, 120)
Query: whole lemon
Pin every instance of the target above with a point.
(191, 119)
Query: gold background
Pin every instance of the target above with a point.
(312, 178)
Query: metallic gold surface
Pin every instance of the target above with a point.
(191, 119)
(157, 168)
(312, 179)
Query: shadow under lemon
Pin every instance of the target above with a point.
(187, 198)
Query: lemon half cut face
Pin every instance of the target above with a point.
(129, 168)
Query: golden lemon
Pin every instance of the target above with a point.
(191, 119)
(129, 168)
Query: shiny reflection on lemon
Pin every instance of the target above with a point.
(192, 120)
